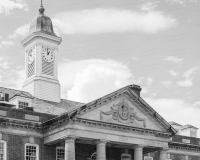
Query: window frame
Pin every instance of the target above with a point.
(60, 147)
(37, 149)
(126, 155)
(148, 157)
(5, 148)
(23, 102)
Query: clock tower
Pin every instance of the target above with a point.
(41, 49)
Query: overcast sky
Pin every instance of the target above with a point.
(110, 44)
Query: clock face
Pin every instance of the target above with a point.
(47, 54)
(31, 55)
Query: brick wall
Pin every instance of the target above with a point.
(16, 147)
(179, 138)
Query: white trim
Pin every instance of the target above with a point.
(32, 144)
(23, 101)
(60, 147)
(127, 155)
(148, 158)
(5, 148)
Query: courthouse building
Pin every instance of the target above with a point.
(36, 124)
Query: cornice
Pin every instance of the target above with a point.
(119, 127)
(188, 148)
(36, 35)
(40, 78)
(123, 91)
(20, 124)
(99, 102)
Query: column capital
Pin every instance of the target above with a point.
(138, 146)
(69, 138)
(163, 149)
(101, 141)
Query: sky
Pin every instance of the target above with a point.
(110, 44)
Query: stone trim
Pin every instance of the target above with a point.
(188, 148)
(120, 127)
(26, 125)
(124, 91)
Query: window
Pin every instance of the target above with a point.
(148, 158)
(93, 156)
(31, 152)
(22, 105)
(2, 150)
(193, 134)
(60, 153)
(125, 156)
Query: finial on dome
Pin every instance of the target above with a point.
(41, 10)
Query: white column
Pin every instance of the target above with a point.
(101, 149)
(138, 152)
(70, 148)
(163, 154)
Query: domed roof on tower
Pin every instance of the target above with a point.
(42, 23)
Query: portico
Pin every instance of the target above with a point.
(102, 149)
(119, 127)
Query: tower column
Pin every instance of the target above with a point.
(138, 152)
(163, 154)
(101, 149)
(70, 148)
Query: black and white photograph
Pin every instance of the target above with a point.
(99, 80)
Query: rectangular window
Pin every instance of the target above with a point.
(60, 153)
(22, 105)
(2, 150)
(193, 134)
(31, 152)
(148, 158)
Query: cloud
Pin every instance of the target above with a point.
(98, 21)
(191, 71)
(6, 6)
(21, 31)
(176, 110)
(87, 80)
(181, 2)
(166, 83)
(173, 59)
(149, 81)
(185, 83)
(173, 73)
(173, 2)
(6, 43)
(188, 81)
(149, 6)
(4, 65)
(11, 78)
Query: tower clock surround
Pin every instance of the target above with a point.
(41, 52)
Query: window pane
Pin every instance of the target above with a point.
(60, 154)
(2, 151)
(31, 152)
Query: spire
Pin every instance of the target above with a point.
(41, 10)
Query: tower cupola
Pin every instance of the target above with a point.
(41, 55)
(42, 23)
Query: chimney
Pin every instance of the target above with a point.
(136, 89)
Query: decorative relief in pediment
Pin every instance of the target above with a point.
(122, 113)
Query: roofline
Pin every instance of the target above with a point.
(122, 90)
(39, 34)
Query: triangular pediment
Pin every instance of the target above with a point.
(124, 109)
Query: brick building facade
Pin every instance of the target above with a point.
(36, 124)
